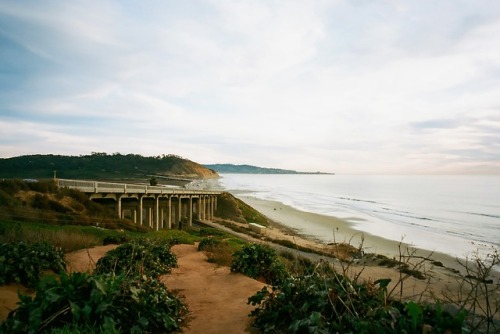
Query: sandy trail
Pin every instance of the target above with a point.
(217, 299)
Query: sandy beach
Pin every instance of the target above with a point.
(286, 217)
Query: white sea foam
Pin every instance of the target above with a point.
(455, 215)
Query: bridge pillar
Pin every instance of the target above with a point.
(119, 205)
(150, 217)
(169, 212)
(157, 212)
(141, 208)
(190, 210)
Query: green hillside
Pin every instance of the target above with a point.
(101, 166)
(249, 169)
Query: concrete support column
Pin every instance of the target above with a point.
(134, 215)
(141, 209)
(190, 211)
(119, 205)
(162, 222)
(169, 208)
(157, 213)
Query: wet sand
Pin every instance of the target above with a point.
(341, 231)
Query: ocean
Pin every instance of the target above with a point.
(455, 214)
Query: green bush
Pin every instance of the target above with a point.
(255, 260)
(24, 263)
(115, 239)
(327, 302)
(151, 257)
(106, 303)
(207, 243)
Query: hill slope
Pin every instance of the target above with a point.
(249, 169)
(102, 166)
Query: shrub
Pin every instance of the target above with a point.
(327, 302)
(207, 243)
(257, 261)
(115, 239)
(24, 263)
(100, 303)
(218, 251)
(151, 257)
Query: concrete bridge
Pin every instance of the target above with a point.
(153, 206)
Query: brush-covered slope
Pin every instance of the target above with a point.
(102, 166)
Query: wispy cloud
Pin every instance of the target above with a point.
(344, 86)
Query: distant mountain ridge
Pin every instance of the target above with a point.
(249, 169)
(102, 166)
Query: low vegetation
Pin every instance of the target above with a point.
(100, 165)
(124, 293)
(145, 256)
(260, 262)
(104, 303)
(24, 263)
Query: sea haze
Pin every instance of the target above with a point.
(456, 215)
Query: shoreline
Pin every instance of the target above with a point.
(285, 217)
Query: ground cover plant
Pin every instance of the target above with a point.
(123, 295)
(220, 250)
(24, 263)
(145, 256)
(259, 261)
(324, 301)
(104, 303)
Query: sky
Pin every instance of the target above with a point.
(349, 87)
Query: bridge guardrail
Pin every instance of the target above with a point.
(109, 187)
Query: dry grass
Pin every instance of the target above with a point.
(220, 253)
(66, 240)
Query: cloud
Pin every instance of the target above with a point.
(342, 86)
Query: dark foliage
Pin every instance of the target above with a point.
(94, 166)
(150, 257)
(259, 261)
(23, 263)
(106, 302)
(324, 301)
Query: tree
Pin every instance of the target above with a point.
(153, 181)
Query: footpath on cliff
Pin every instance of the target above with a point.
(216, 298)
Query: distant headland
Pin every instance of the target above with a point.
(249, 169)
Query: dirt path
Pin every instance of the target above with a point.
(83, 260)
(217, 298)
